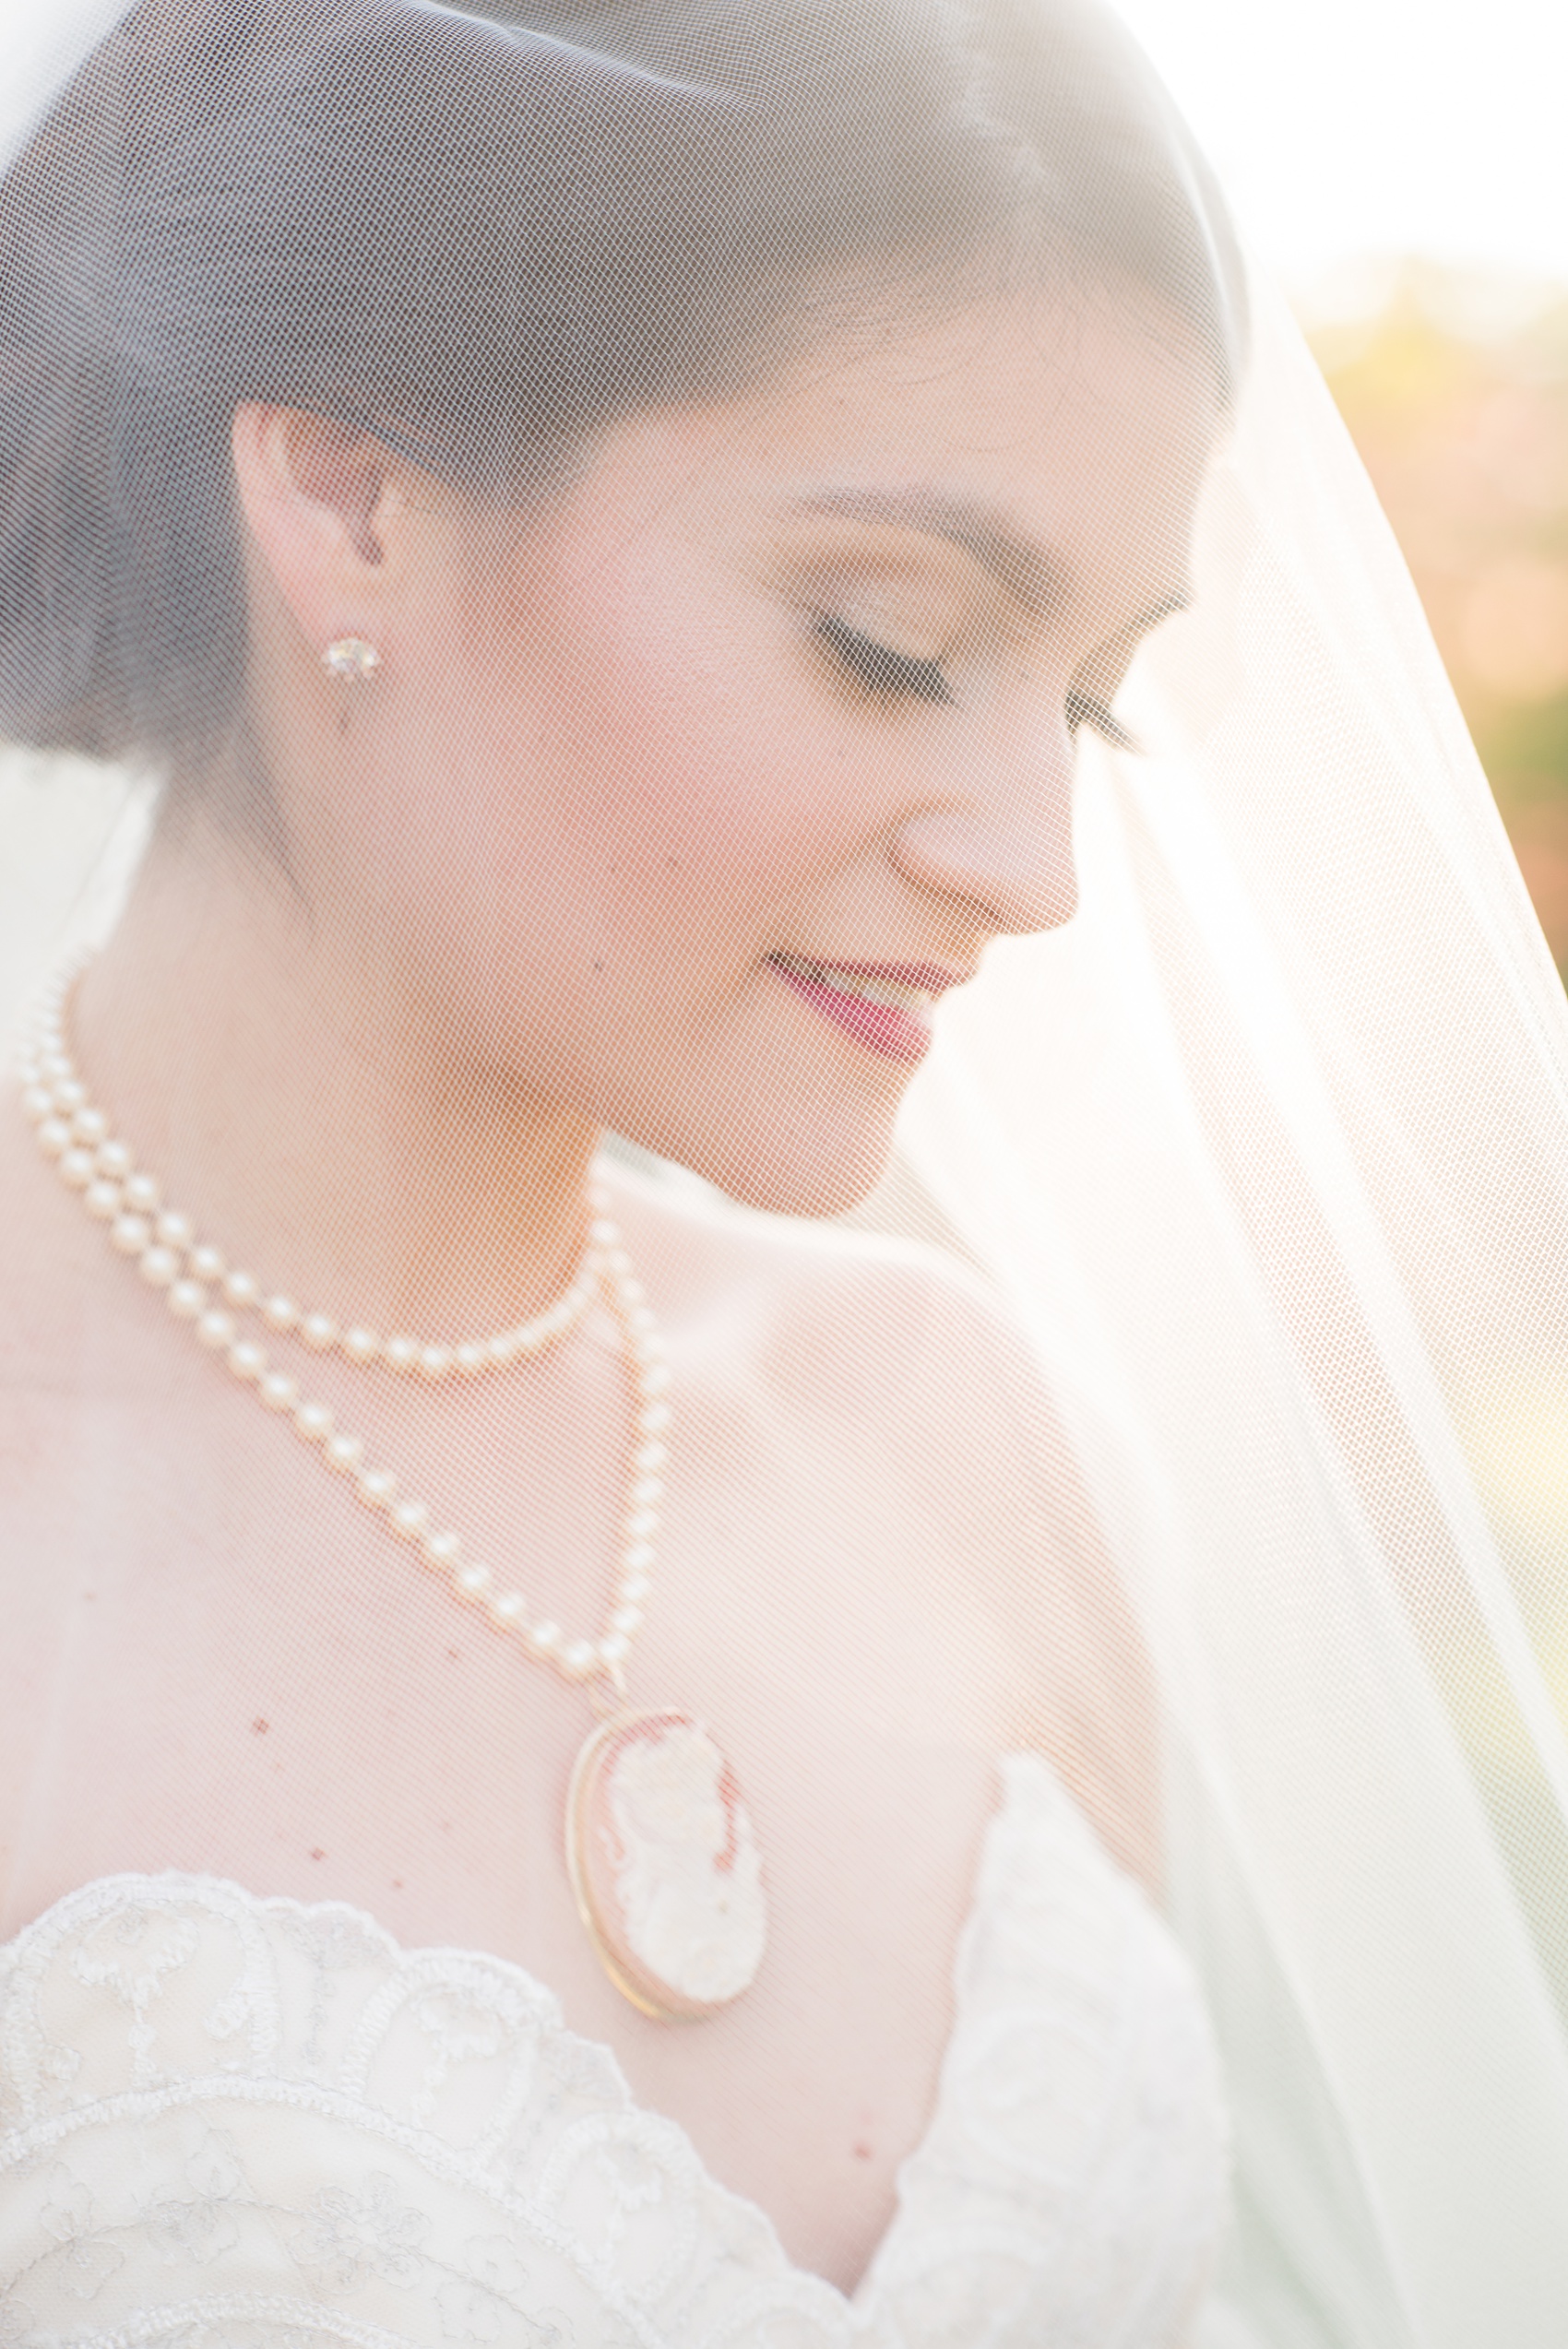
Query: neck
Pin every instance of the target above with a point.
(319, 1121)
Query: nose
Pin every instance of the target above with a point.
(1002, 843)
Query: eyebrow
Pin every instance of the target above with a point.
(1031, 573)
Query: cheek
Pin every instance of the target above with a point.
(662, 771)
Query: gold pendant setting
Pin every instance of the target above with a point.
(665, 1865)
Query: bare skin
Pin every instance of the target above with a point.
(536, 876)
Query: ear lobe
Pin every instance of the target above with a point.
(310, 491)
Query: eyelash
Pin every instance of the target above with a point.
(1082, 710)
(893, 676)
(887, 675)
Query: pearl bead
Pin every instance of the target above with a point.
(71, 1130)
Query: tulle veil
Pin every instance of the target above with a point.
(1267, 1152)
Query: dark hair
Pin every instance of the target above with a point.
(484, 238)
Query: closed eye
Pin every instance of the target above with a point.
(886, 675)
(1084, 710)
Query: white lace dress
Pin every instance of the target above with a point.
(235, 2123)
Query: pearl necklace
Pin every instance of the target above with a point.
(653, 1808)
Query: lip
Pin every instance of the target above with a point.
(890, 1030)
(930, 978)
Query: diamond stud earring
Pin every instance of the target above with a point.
(351, 658)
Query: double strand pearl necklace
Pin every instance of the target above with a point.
(660, 1848)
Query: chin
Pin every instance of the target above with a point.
(790, 1165)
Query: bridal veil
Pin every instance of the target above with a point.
(1266, 1151)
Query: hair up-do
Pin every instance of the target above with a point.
(484, 235)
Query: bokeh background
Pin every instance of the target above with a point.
(1402, 165)
(1401, 168)
(1456, 387)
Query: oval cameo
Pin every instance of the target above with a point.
(664, 1865)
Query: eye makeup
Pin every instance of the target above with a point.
(904, 628)
(886, 674)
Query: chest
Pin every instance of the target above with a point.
(229, 1667)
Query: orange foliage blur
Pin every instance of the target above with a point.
(1455, 389)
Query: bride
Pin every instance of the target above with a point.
(613, 532)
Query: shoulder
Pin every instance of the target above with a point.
(898, 1356)
(849, 1326)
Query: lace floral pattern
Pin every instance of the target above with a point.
(232, 2123)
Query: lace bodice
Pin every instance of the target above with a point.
(235, 2123)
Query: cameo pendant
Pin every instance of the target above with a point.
(664, 1865)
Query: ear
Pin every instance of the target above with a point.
(315, 497)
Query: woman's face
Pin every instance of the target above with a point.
(683, 804)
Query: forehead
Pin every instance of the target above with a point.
(1060, 438)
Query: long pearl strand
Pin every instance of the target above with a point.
(90, 1160)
